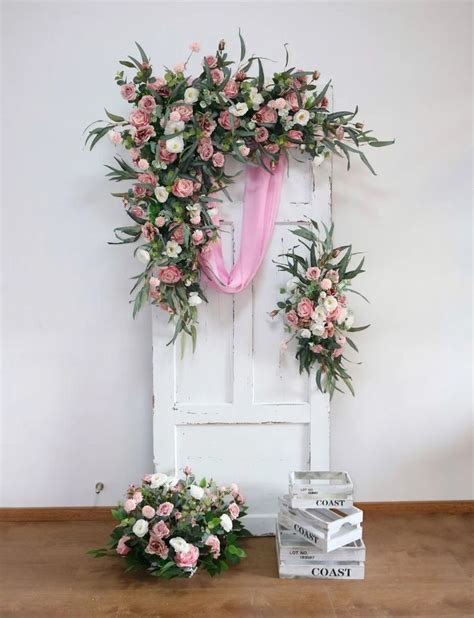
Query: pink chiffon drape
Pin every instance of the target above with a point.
(260, 208)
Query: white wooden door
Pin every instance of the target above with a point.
(238, 410)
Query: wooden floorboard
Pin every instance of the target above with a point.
(417, 565)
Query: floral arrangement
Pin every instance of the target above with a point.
(316, 311)
(172, 527)
(178, 133)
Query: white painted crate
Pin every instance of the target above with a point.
(320, 489)
(295, 550)
(328, 529)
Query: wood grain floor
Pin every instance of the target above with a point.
(417, 565)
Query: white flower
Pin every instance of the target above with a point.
(172, 249)
(317, 328)
(142, 255)
(158, 480)
(330, 303)
(251, 125)
(301, 117)
(179, 545)
(226, 522)
(171, 481)
(318, 159)
(194, 299)
(305, 333)
(349, 321)
(342, 315)
(175, 144)
(191, 95)
(255, 98)
(196, 492)
(161, 194)
(292, 284)
(239, 109)
(140, 527)
(194, 209)
(319, 314)
(174, 126)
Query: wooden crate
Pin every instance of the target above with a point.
(323, 489)
(328, 529)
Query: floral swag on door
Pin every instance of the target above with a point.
(178, 134)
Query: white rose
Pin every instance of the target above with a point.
(349, 321)
(140, 527)
(158, 480)
(318, 159)
(317, 328)
(255, 97)
(161, 194)
(191, 95)
(172, 249)
(174, 126)
(194, 299)
(171, 481)
(330, 303)
(226, 522)
(196, 492)
(342, 315)
(305, 333)
(319, 314)
(142, 255)
(292, 284)
(239, 110)
(175, 144)
(301, 117)
(179, 545)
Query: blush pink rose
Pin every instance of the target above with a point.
(207, 125)
(178, 515)
(147, 103)
(244, 150)
(211, 61)
(160, 530)
(224, 120)
(292, 318)
(218, 159)
(234, 510)
(213, 542)
(148, 231)
(147, 178)
(128, 92)
(189, 558)
(231, 89)
(292, 101)
(122, 548)
(178, 235)
(137, 211)
(130, 505)
(182, 187)
(170, 274)
(313, 272)
(157, 546)
(272, 148)
(261, 134)
(305, 308)
(164, 510)
(205, 148)
(295, 135)
(143, 135)
(185, 111)
(160, 221)
(148, 511)
(138, 496)
(217, 76)
(143, 164)
(165, 155)
(266, 115)
(139, 191)
(279, 103)
(326, 284)
(198, 237)
(138, 118)
(175, 116)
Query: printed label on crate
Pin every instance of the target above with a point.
(308, 502)
(329, 571)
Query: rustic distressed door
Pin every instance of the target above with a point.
(237, 409)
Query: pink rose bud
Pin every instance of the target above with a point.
(148, 511)
(154, 282)
(326, 284)
(175, 116)
(143, 164)
(160, 221)
(187, 469)
(115, 137)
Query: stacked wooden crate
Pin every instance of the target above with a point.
(319, 532)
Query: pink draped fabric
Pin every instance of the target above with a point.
(260, 208)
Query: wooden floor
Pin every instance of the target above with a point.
(417, 565)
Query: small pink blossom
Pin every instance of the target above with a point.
(122, 548)
(179, 67)
(178, 234)
(261, 134)
(234, 510)
(292, 318)
(305, 308)
(211, 61)
(195, 219)
(224, 120)
(341, 340)
(148, 511)
(147, 178)
(178, 515)
(148, 231)
(130, 505)
(189, 558)
(139, 191)
(272, 148)
(147, 103)
(213, 542)
(231, 89)
(313, 273)
(205, 148)
(244, 150)
(218, 159)
(340, 133)
(138, 118)
(234, 488)
(182, 187)
(160, 530)
(187, 469)
(195, 47)
(142, 135)
(207, 125)
(137, 211)
(134, 153)
(154, 282)
(170, 274)
(217, 76)
(198, 237)
(337, 352)
(160, 221)
(266, 115)
(185, 111)
(326, 284)
(128, 92)
(164, 510)
(279, 103)
(240, 499)
(115, 137)
(165, 155)
(138, 497)
(292, 101)
(175, 116)
(294, 134)
(143, 164)
(317, 349)
(157, 546)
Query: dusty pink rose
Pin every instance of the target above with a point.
(137, 211)
(224, 120)
(313, 272)
(218, 159)
(128, 92)
(292, 101)
(143, 164)
(244, 150)
(195, 46)
(164, 510)
(294, 134)
(123, 549)
(157, 546)
(211, 61)
(317, 349)
(148, 511)
(178, 235)
(130, 505)
(139, 191)
(143, 135)
(326, 284)
(147, 103)
(213, 542)
(231, 89)
(292, 318)
(266, 115)
(279, 103)
(160, 221)
(148, 231)
(234, 510)
(185, 111)
(217, 76)
(198, 237)
(170, 274)
(305, 308)
(160, 530)
(272, 148)
(207, 125)
(165, 155)
(261, 134)
(147, 178)
(205, 148)
(187, 559)
(182, 187)
(138, 118)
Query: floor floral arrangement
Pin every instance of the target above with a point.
(173, 527)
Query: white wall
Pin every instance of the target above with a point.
(77, 369)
